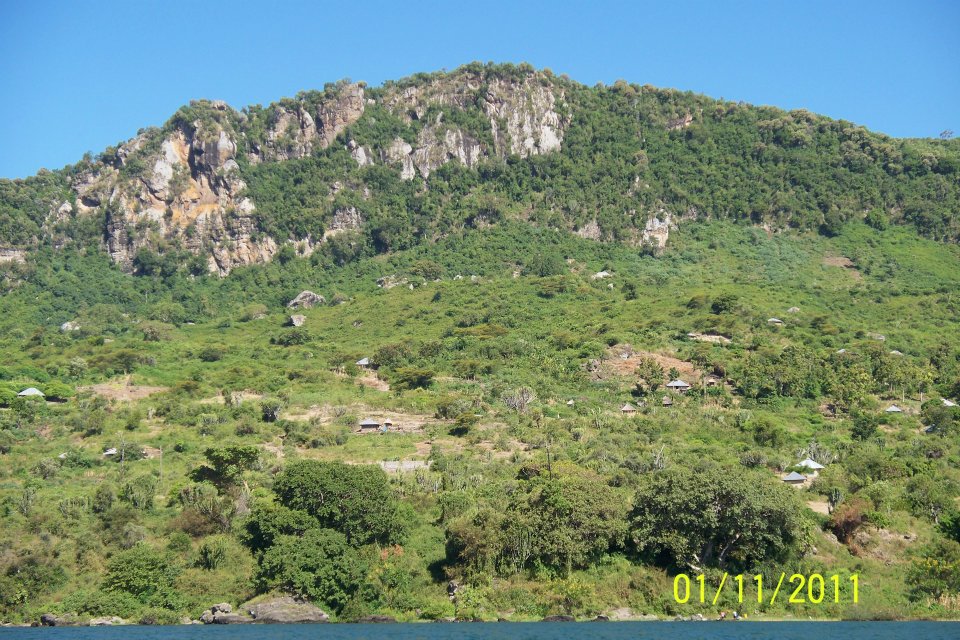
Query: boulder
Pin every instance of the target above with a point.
(105, 621)
(54, 620)
(306, 300)
(231, 618)
(70, 326)
(287, 610)
(223, 614)
(297, 320)
(560, 618)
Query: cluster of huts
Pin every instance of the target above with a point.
(811, 467)
(678, 386)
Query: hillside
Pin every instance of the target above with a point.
(503, 261)
(391, 167)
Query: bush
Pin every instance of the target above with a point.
(319, 565)
(355, 500)
(143, 572)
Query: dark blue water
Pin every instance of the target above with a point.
(517, 631)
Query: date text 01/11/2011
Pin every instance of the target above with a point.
(813, 589)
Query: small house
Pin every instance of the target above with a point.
(667, 401)
(893, 409)
(628, 408)
(31, 392)
(369, 423)
(678, 385)
(363, 363)
(948, 403)
(775, 321)
(811, 465)
(794, 478)
(711, 381)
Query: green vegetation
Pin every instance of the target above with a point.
(192, 447)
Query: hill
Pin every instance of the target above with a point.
(503, 260)
(417, 159)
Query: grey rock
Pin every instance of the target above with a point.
(297, 320)
(306, 300)
(54, 620)
(106, 621)
(560, 618)
(287, 610)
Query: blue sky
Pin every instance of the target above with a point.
(78, 76)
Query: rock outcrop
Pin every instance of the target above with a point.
(306, 300)
(287, 610)
(223, 614)
(297, 128)
(182, 186)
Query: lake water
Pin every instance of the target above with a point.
(516, 631)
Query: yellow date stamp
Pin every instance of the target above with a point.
(794, 588)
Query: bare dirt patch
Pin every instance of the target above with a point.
(326, 414)
(121, 390)
(716, 338)
(844, 263)
(623, 361)
(819, 506)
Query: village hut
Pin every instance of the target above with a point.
(667, 401)
(363, 363)
(711, 381)
(893, 409)
(369, 423)
(811, 465)
(794, 478)
(678, 385)
(31, 392)
(628, 408)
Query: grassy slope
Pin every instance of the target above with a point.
(905, 289)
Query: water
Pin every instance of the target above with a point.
(515, 631)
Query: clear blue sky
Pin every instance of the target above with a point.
(78, 76)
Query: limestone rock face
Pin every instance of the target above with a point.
(181, 186)
(295, 131)
(524, 118)
(190, 191)
(656, 231)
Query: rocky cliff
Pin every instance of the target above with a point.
(183, 185)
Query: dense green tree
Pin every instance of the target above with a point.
(319, 565)
(355, 500)
(734, 519)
